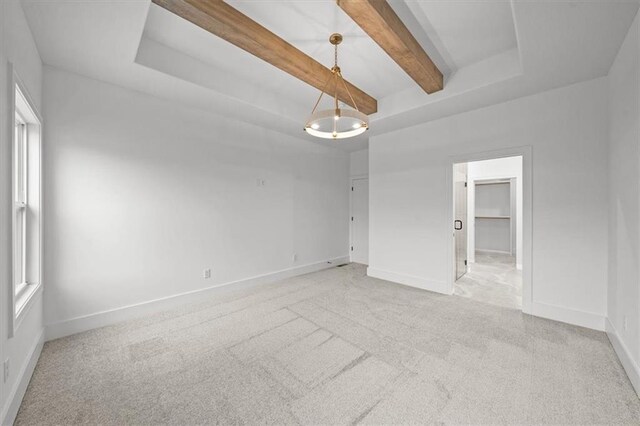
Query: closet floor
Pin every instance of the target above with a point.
(492, 279)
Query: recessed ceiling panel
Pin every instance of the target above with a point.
(471, 30)
(229, 65)
(558, 43)
(307, 26)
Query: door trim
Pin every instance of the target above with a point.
(527, 190)
(351, 180)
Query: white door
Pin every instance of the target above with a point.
(360, 221)
(460, 217)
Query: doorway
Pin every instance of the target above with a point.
(488, 231)
(360, 220)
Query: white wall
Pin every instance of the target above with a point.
(143, 195)
(16, 45)
(495, 169)
(493, 234)
(624, 204)
(567, 130)
(359, 163)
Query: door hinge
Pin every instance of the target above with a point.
(465, 184)
(465, 262)
(351, 218)
(352, 188)
(351, 248)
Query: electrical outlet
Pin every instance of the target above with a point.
(294, 257)
(624, 322)
(5, 375)
(206, 273)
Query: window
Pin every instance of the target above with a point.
(21, 203)
(27, 203)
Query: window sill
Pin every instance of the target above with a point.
(24, 303)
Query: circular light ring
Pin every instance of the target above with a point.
(328, 113)
(340, 135)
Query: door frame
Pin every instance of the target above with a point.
(527, 189)
(351, 179)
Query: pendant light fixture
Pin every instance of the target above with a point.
(336, 123)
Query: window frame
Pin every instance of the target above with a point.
(26, 266)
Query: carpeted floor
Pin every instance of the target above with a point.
(333, 347)
(494, 279)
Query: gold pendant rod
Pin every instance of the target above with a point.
(349, 93)
(320, 97)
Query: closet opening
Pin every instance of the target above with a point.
(488, 210)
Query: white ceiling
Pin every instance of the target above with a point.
(308, 24)
(490, 51)
(469, 31)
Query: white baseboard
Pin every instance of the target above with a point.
(113, 316)
(20, 387)
(410, 280)
(630, 365)
(569, 316)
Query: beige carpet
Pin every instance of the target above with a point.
(333, 347)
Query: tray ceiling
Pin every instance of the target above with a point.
(489, 51)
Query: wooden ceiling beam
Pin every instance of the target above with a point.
(224, 21)
(382, 24)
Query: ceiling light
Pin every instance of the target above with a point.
(336, 123)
